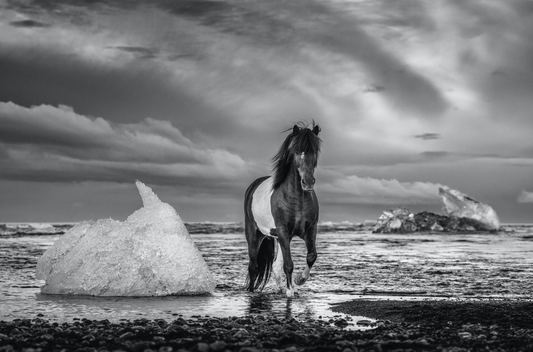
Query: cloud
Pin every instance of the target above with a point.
(315, 34)
(55, 143)
(525, 197)
(140, 52)
(428, 136)
(29, 24)
(237, 18)
(367, 190)
(431, 155)
(493, 50)
(389, 72)
(374, 89)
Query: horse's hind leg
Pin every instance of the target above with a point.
(310, 242)
(254, 242)
(253, 270)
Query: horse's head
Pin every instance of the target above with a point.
(304, 156)
(304, 148)
(306, 169)
(299, 150)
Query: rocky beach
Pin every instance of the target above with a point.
(402, 326)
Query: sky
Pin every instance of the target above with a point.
(193, 97)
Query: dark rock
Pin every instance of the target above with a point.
(218, 345)
(401, 220)
(202, 347)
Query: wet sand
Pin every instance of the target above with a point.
(402, 326)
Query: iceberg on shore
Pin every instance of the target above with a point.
(462, 206)
(149, 254)
(464, 214)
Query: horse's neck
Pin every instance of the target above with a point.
(292, 184)
(299, 207)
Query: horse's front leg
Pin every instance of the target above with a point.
(288, 266)
(277, 267)
(310, 243)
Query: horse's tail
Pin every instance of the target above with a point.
(265, 258)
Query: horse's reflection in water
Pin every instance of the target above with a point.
(279, 306)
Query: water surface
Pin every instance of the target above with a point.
(350, 265)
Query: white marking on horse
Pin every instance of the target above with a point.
(279, 275)
(261, 208)
(278, 267)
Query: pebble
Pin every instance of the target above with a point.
(364, 322)
(248, 349)
(464, 334)
(202, 347)
(218, 345)
(126, 335)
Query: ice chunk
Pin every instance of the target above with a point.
(149, 254)
(460, 205)
(401, 220)
(398, 220)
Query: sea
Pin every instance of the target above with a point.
(353, 263)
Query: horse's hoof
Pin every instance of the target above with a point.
(299, 280)
(290, 294)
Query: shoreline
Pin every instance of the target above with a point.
(462, 325)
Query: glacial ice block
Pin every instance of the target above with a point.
(460, 205)
(149, 254)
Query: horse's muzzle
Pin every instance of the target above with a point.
(308, 185)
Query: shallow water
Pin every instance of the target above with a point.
(350, 265)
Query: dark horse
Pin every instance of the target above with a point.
(281, 206)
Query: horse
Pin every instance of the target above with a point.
(280, 207)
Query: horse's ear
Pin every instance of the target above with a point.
(295, 129)
(316, 130)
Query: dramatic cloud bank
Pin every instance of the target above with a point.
(46, 143)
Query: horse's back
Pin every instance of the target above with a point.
(251, 189)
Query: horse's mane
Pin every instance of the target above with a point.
(299, 140)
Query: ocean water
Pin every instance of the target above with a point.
(352, 263)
